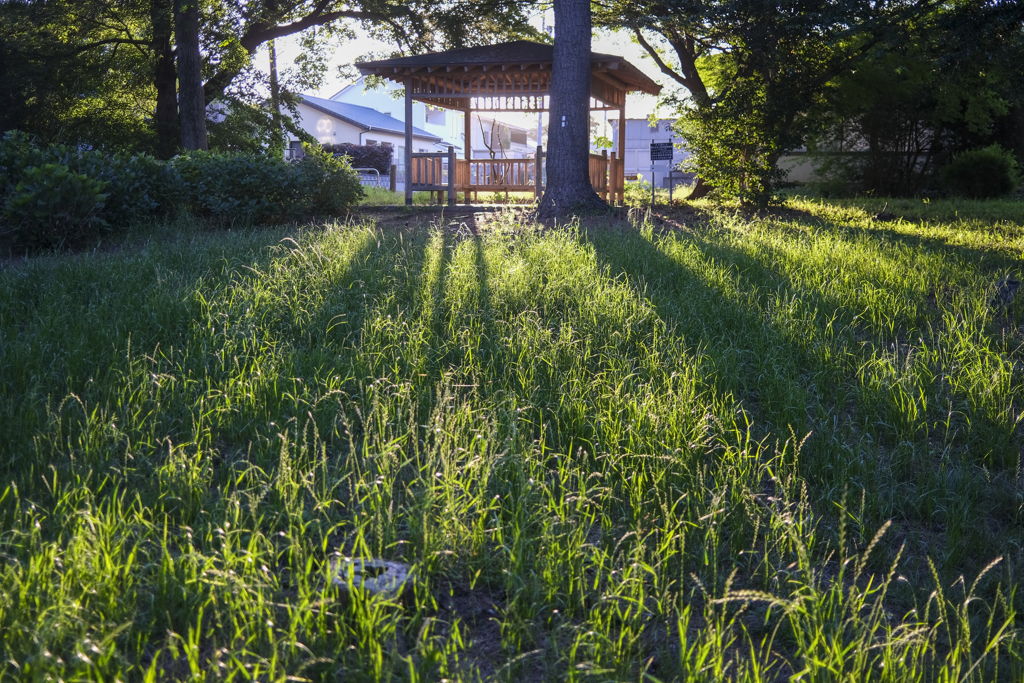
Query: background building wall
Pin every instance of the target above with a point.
(639, 136)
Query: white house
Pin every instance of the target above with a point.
(332, 122)
(639, 136)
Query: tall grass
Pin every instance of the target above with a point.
(745, 449)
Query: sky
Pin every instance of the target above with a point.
(638, 105)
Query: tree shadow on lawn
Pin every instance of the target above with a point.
(996, 259)
(784, 383)
(88, 323)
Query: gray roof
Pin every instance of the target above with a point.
(516, 52)
(364, 117)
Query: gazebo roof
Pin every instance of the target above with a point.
(521, 55)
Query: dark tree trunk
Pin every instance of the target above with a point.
(700, 190)
(191, 102)
(165, 118)
(568, 160)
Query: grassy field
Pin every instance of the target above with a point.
(697, 446)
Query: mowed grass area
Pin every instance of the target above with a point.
(692, 446)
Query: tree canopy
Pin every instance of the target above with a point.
(751, 71)
(103, 74)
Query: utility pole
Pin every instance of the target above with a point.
(275, 96)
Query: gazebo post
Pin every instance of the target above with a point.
(620, 182)
(408, 141)
(467, 125)
(538, 172)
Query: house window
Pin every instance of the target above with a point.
(653, 127)
(387, 144)
(370, 142)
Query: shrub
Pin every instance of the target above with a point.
(17, 153)
(138, 186)
(379, 157)
(328, 183)
(56, 194)
(981, 173)
(237, 186)
(52, 205)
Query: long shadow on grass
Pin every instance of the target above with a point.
(990, 259)
(983, 434)
(752, 361)
(777, 380)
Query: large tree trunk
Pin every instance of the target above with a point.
(165, 117)
(191, 102)
(700, 190)
(568, 164)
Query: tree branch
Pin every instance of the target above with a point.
(261, 32)
(665, 68)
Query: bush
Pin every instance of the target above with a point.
(18, 152)
(140, 186)
(137, 186)
(57, 194)
(52, 205)
(327, 182)
(365, 156)
(237, 186)
(981, 173)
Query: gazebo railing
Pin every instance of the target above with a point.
(432, 172)
(607, 176)
(515, 175)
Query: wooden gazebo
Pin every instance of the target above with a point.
(512, 76)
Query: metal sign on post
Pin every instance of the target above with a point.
(660, 151)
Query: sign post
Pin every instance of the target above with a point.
(660, 151)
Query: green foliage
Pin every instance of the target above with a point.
(226, 187)
(952, 85)
(239, 187)
(750, 71)
(734, 144)
(51, 206)
(18, 152)
(637, 193)
(328, 183)
(67, 80)
(93, 72)
(138, 186)
(981, 173)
